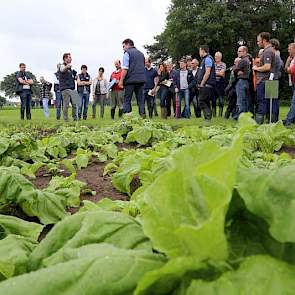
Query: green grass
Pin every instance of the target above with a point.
(11, 117)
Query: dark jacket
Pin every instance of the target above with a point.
(190, 80)
(136, 70)
(83, 78)
(67, 79)
(212, 77)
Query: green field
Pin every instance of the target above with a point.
(12, 117)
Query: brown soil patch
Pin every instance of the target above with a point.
(93, 176)
(289, 150)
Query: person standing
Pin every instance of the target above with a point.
(164, 88)
(84, 82)
(117, 94)
(170, 98)
(194, 90)
(290, 69)
(24, 84)
(277, 74)
(133, 76)
(220, 68)
(206, 81)
(263, 73)
(58, 96)
(99, 90)
(184, 81)
(67, 77)
(45, 89)
(230, 92)
(150, 86)
(242, 72)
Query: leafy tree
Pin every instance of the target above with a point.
(221, 24)
(2, 101)
(8, 85)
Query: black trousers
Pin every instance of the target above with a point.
(137, 89)
(205, 97)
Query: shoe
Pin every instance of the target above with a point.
(259, 119)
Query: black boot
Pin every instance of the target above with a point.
(113, 113)
(214, 111)
(220, 111)
(227, 114)
(120, 113)
(259, 119)
(22, 114)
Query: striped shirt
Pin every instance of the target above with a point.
(219, 67)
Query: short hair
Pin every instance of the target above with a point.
(128, 41)
(83, 67)
(292, 45)
(118, 61)
(182, 60)
(218, 53)
(275, 43)
(264, 36)
(101, 69)
(205, 48)
(148, 59)
(21, 64)
(188, 58)
(65, 55)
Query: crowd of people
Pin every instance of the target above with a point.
(195, 85)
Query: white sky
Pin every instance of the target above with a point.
(39, 32)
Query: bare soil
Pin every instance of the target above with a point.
(289, 150)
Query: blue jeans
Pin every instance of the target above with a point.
(242, 91)
(184, 95)
(45, 107)
(291, 115)
(260, 97)
(25, 98)
(83, 105)
(275, 109)
(163, 96)
(59, 101)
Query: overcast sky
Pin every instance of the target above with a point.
(38, 32)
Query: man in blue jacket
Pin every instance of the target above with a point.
(133, 76)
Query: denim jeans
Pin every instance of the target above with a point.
(163, 96)
(25, 98)
(275, 109)
(83, 105)
(291, 115)
(149, 100)
(242, 91)
(184, 95)
(138, 90)
(260, 97)
(45, 107)
(59, 103)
